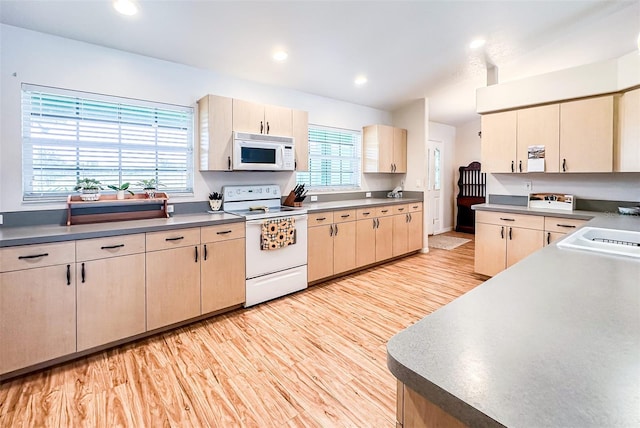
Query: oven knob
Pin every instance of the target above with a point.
(238, 191)
(260, 190)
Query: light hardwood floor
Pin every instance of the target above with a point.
(315, 358)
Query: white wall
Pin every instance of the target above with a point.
(42, 59)
(467, 147)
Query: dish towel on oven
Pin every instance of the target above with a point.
(278, 233)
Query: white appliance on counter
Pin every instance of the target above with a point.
(260, 152)
(270, 273)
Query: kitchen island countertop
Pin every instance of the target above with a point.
(552, 341)
(11, 236)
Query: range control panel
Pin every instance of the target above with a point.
(251, 192)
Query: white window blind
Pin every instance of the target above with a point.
(334, 159)
(69, 135)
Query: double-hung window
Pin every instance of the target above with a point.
(70, 135)
(334, 159)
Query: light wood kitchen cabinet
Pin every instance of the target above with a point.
(222, 266)
(374, 235)
(627, 147)
(498, 144)
(173, 276)
(262, 119)
(538, 126)
(556, 228)
(301, 139)
(110, 289)
(216, 132)
(407, 228)
(331, 244)
(384, 149)
(415, 227)
(37, 304)
(587, 134)
(503, 239)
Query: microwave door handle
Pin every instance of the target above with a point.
(281, 163)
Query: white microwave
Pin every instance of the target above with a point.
(261, 152)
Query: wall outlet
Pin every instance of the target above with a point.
(314, 198)
(367, 195)
(169, 208)
(528, 186)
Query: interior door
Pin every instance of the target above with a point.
(434, 189)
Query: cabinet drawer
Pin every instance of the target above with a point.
(173, 239)
(318, 219)
(415, 207)
(102, 248)
(509, 219)
(400, 209)
(365, 213)
(384, 211)
(38, 255)
(562, 225)
(222, 232)
(344, 215)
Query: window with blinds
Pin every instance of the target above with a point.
(69, 135)
(334, 159)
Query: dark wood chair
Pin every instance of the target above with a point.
(472, 190)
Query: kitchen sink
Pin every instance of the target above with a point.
(607, 241)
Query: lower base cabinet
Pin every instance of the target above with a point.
(223, 274)
(331, 244)
(415, 411)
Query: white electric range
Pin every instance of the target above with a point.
(269, 273)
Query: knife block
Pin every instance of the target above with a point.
(291, 201)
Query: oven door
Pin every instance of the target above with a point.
(262, 262)
(256, 155)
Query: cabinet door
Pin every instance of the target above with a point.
(278, 121)
(248, 117)
(111, 299)
(384, 238)
(301, 139)
(385, 148)
(521, 243)
(173, 286)
(415, 231)
(365, 241)
(586, 135)
(216, 133)
(320, 252)
(551, 237)
(490, 252)
(400, 244)
(223, 274)
(399, 150)
(498, 144)
(539, 126)
(344, 247)
(37, 316)
(627, 149)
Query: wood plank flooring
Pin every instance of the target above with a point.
(313, 359)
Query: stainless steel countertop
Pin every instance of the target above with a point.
(552, 341)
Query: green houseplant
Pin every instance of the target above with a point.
(150, 186)
(120, 189)
(215, 201)
(89, 189)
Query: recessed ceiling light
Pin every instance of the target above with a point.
(477, 43)
(360, 80)
(125, 7)
(280, 56)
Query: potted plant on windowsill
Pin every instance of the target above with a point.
(89, 189)
(150, 187)
(120, 189)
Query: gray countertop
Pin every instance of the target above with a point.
(581, 215)
(356, 203)
(11, 236)
(553, 341)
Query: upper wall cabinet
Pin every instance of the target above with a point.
(498, 148)
(262, 119)
(586, 135)
(538, 126)
(220, 116)
(627, 149)
(385, 149)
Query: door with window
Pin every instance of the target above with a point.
(434, 189)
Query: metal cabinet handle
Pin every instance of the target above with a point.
(229, 163)
(400, 209)
(261, 127)
(330, 230)
(35, 256)
(384, 211)
(564, 165)
(520, 166)
(82, 272)
(410, 218)
(571, 226)
(512, 167)
(111, 247)
(502, 232)
(377, 223)
(223, 232)
(68, 274)
(510, 238)
(507, 219)
(267, 127)
(336, 231)
(204, 251)
(367, 213)
(345, 215)
(178, 238)
(321, 218)
(406, 218)
(196, 253)
(548, 238)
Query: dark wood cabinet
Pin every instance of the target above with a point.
(471, 191)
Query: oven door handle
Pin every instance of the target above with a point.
(296, 217)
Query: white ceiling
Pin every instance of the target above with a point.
(408, 49)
